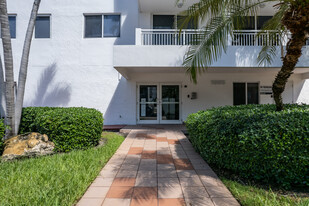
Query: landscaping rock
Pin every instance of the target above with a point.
(27, 145)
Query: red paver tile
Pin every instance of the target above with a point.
(149, 154)
(174, 202)
(173, 141)
(183, 164)
(144, 202)
(161, 139)
(123, 181)
(120, 192)
(165, 159)
(145, 193)
(135, 151)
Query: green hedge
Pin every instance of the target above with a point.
(68, 128)
(255, 142)
(2, 130)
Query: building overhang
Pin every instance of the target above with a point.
(165, 6)
(130, 72)
(133, 59)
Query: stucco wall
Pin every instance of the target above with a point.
(69, 70)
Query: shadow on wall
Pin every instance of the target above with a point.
(127, 28)
(51, 93)
(119, 110)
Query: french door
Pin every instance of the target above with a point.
(158, 104)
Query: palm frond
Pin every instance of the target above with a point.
(276, 33)
(214, 40)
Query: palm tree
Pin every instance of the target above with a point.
(24, 64)
(14, 109)
(9, 72)
(291, 17)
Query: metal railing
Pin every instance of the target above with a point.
(191, 37)
(169, 37)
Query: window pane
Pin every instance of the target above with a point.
(253, 93)
(93, 26)
(170, 111)
(239, 93)
(12, 21)
(261, 20)
(163, 21)
(247, 23)
(148, 93)
(42, 27)
(191, 24)
(170, 93)
(112, 26)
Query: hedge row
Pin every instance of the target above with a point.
(68, 128)
(255, 142)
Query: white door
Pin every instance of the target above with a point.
(158, 104)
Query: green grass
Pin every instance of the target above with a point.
(253, 196)
(54, 180)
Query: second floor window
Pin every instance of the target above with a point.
(12, 22)
(94, 26)
(42, 27)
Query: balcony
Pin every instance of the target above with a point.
(189, 37)
(164, 50)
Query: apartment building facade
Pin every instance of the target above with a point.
(124, 58)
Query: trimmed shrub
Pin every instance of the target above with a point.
(2, 132)
(28, 116)
(255, 141)
(68, 128)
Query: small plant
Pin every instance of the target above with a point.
(255, 142)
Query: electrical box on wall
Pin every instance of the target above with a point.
(193, 95)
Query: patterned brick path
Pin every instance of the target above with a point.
(157, 168)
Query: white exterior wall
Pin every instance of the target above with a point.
(209, 95)
(69, 70)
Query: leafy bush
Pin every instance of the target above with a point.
(256, 142)
(2, 130)
(68, 128)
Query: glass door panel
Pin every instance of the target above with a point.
(170, 103)
(148, 106)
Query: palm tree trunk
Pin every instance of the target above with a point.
(293, 53)
(2, 91)
(24, 64)
(9, 72)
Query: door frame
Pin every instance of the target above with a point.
(159, 104)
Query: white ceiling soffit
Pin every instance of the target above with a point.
(171, 6)
(164, 6)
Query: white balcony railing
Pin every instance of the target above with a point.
(189, 37)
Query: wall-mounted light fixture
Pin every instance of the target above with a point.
(180, 3)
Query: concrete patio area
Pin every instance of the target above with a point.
(157, 167)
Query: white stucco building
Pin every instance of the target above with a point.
(123, 58)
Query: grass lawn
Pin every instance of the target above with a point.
(54, 180)
(253, 196)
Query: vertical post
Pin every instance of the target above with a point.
(138, 36)
(184, 37)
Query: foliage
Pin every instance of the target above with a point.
(255, 142)
(2, 131)
(60, 179)
(249, 195)
(69, 128)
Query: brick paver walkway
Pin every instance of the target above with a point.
(157, 168)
